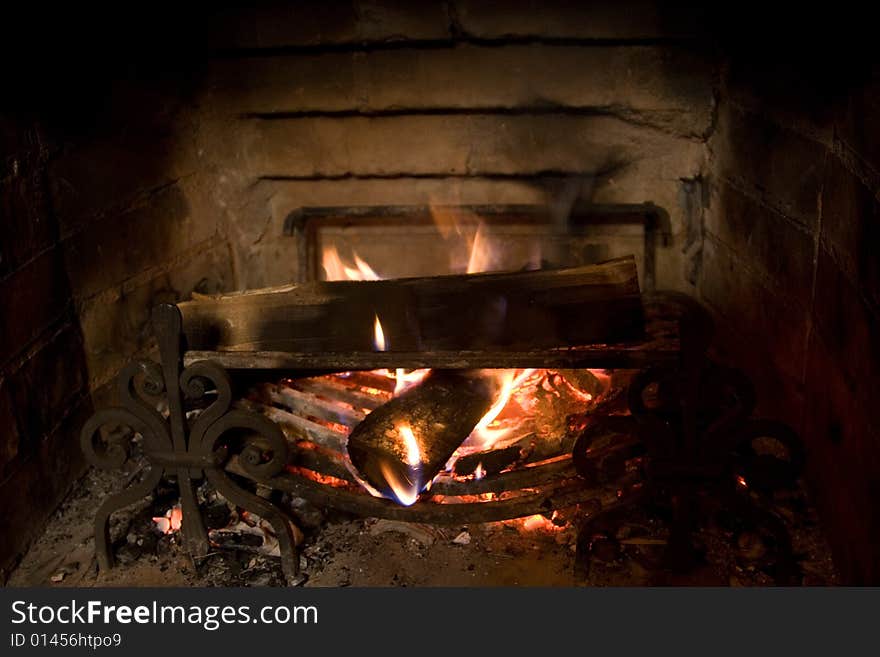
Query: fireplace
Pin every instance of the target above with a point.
(277, 146)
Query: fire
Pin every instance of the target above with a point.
(406, 379)
(336, 269)
(405, 491)
(379, 336)
(485, 435)
(403, 379)
(472, 250)
(405, 487)
(470, 243)
(413, 454)
(171, 521)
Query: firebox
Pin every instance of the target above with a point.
(584, 288)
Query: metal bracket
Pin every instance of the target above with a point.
(190, 450)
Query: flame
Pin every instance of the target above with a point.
(467, 233)
(404, 380)
(413, 454)
(468, 236)
(479, 471)
(481, 252)
(379, 336)
(405, 491)
(171, 521)
(336, 269)
(484, 434)
(365, 270)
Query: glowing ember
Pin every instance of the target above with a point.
(741, 482)
(379, 335)
(538, 522)
(171, 521)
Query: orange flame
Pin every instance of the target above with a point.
(484, 434)
(336, 269)
(405, 491)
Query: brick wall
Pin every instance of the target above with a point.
(105, 209)
(789, 267)
(43, 376)
(372, 103)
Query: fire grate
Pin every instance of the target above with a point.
(685, 428)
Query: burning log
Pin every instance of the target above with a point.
(505, 313)
(402, 445)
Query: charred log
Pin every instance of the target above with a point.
(402, 445)
(505, 313)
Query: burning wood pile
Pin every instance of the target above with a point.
(401, 433)
(466, 398)
(387, 424)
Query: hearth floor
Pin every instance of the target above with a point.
(340, 551)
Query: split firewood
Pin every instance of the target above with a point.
(402, 445)
(505, 312)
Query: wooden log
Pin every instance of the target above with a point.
(336, 389)
(298, 428)
(486, 312)
(306, 404)
(403, 444)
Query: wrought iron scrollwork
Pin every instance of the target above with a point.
(690, 430)
(188, 449)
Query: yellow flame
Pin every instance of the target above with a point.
(413, 454)
(483, 434)
(405, 491)
(404, 380)
(366, 272)
(337, 269)
(379, 335)
(471, 245)
(482, 253)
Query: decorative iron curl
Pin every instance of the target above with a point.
(111, 454)
(135, 381)
(602, 450)
(262, 447)
(187, 450)
(768, 472)
(196, 382)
